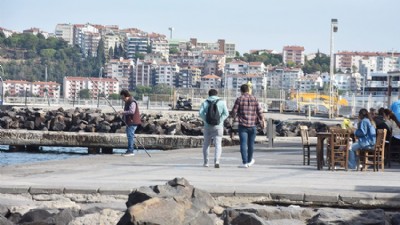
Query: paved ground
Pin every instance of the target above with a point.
(277, 170)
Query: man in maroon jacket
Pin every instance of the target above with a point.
(131, 116)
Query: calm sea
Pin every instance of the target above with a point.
(46, 153)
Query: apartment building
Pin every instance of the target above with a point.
(136, 44)
(364, 62)
(22, 88)
(159, 44)
(233, 81)
(122, 70)
(165, 73)
(142, 75)
(284, 78)
(65, 32)
(210, 81)
(229, 49)
(96, 86)
(188, 77)
(237, 67)
(294, 54)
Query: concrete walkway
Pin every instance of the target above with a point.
(278, 171)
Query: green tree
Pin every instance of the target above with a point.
(173, 50)
(84, 93)
(114, 96)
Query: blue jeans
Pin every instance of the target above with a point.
(247, 136)
(130, 134)
(352, 155)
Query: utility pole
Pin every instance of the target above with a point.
(334, 29)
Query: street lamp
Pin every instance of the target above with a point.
(98, 89)
(334, 29)
(2, 86)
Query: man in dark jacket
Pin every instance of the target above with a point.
(131, 116)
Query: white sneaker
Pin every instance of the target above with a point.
(251, 163)
(128, 154)
(244, 165)
(205, 165)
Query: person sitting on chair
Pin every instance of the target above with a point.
(366, 135)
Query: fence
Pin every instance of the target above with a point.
(269, 100)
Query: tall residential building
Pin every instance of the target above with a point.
(142, 75)
(165, 73)
(65, 32)
(86, 37)
(136, 44)
(122, 70)
(294, 54)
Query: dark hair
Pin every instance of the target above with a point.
(363, 113)
(212, 92)
(392, 116)
(381, 111)
(125, 93)
(244, 88)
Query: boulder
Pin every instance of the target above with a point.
(174, 203)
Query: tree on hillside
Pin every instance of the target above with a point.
(84, 93)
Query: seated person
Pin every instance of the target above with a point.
(394, 125)
(366, 135)
(382, 121)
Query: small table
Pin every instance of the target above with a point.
(321, 136)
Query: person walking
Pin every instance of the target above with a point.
(131, 117)
(249, 113)
(213, 112)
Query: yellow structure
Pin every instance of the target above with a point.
(307, 98)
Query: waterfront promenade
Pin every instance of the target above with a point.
(277, 171)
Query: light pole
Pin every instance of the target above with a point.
(98, 89)
(334, 29)
(2, 87)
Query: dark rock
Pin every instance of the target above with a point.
(35, 215)
(5, 221)
(396, 219)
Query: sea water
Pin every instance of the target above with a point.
(46, 153)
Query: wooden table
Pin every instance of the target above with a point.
(321, 136)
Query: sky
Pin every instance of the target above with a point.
(363, 25)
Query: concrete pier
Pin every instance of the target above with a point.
(100, 140)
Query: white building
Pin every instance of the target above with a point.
(122, 70)
(210, 81)
(294, 54)
(165, 73)
(20, 88)
(96, 86)
(65, 32)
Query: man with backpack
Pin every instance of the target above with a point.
(213, 112)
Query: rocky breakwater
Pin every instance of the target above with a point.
(175, 203)
(94, 120)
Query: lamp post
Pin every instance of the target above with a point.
(98, 89)
(334, 29)
(2, 86)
